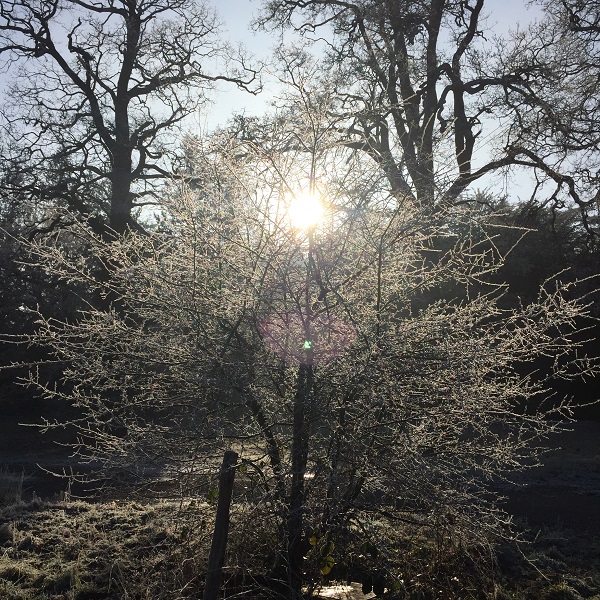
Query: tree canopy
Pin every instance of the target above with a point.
(425, 91)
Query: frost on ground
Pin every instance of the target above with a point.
(75, 550)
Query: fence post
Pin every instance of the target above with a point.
(216, 557)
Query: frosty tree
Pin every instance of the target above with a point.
(360, 365)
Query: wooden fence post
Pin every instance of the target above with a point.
(216, 557)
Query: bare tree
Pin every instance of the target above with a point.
(426, 91)
(363, 384)
(96, 89)
(584, 17)
(554, 118)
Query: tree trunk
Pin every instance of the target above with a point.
(120, 201)
(299, 457)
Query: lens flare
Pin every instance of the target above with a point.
(285, 334)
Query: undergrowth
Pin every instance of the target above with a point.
(75, 550)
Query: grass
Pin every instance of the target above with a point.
(11, 486)
(79, 550)
(551, 565)
(75, 550)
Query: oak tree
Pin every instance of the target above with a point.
(428, 92)
(95, 91)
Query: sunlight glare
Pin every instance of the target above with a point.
(305, 211)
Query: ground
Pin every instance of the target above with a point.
(54, 547)
(565, 492)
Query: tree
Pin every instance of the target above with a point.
(97, 88)
(584, 17)
(422, 92)
(364, 369)
(554, 119)
(358, 392)
(23, 286)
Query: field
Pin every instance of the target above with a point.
(54, 546)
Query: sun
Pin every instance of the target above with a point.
(305, 210)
